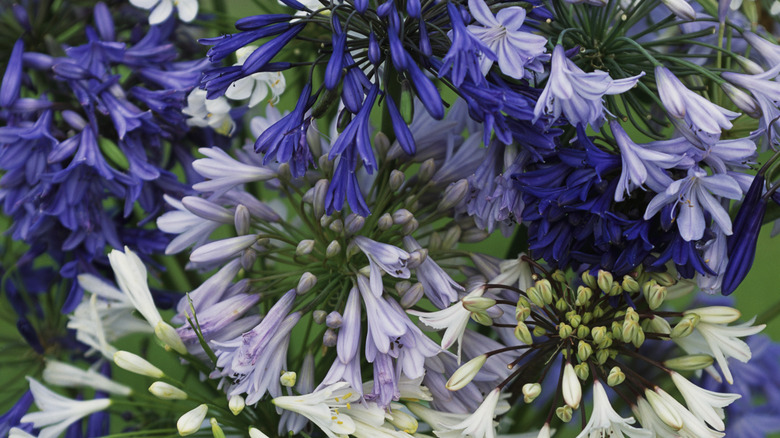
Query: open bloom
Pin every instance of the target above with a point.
(514, 49)
(58, 412)
(328, 408)
(162, 9)
(576, 94)
(477, 425)
(604, 421)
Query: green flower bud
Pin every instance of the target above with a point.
(663, 278)
(639, 337)
(396, 179)
(482, 318)
(582, 370)
(304, 247)
(522, 334)
(559, 276)
(561, 305)
(617, 331)
(686, 326)
(333, 249)
(288, 378)
(539, 331)
(564, 330)
(602, 356)
(236, 404)
(604, 281)
(216, 430)
(463, 375)
(584, 295)
(690, 362)
(385, 222)
(575, 320)
(583, 331)
(531, 391)
(598, 312)
(337, 226)
(587, 317)
(535, 296)
(564, 413)
(655, 296)
(631, 315)
(523, 309)
(589, 280)
(584, 350)
(630, 329)
(616, 376)
(546, 290)
(451, 237)
(427, 169)
(478, 304)
(630, 284)
(615, 290)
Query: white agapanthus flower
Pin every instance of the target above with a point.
(256, 87)
(604, 421)
(213, 113)
(477, 425)
(162, 9)
(705, 404)
(56, 412)
(62, 374)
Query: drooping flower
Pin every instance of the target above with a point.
(58, 412)
(604, 421)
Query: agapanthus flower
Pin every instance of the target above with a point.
(58, 412)
(162, 9)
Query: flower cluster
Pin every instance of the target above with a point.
(387, 218)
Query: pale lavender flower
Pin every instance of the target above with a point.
(769, 51)
(514, 48)
(190, 228)
(209, 292)
(381, 255)
(576, 94)
(764, 90)
(225, 172)
(215, 318)
(694, 195)
(643, 164)
(382, 328)
(702, 118)
(438, 286)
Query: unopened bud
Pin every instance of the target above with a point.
(412, 296)
(692, 362)
(564, 330)
(451, 237)
(427, 169)
(410, 227)
(416, 258)
(381, 143)
(658, 325)
(136, 364)
(308, 197)
(333, 320)
(716, 314)
(453, 194)
(630, 284)
(599, 334)
(319, 316)
(546, 290)
(216, 430)
(402, 286)
(463, 375)
(663, 278)
(169, 337)
(482, 319)
(655, 295)
(396, 179)
(561, 305)
(604, 281)
(559, 276)
(304, 247)
(602, 356)
(584, 350)
(666, 411)
(474, 235)
(478, 304)
(236, 404)
(320, 192)
(616, 376)
(750, 66)
(523, 309)
(354, 223)
(191, 422)
(742, 100)
(402, 216)
(571, 388)
(639, 338)
(539, 331)
(283, 172)
(333, 249)
(574, 319)
(531, 391)
(631, 315)
(385, 222)
(680, 8)
(326, 165)
(583, 331)
(403, 421)
(686, 326)
(242, 220)
(564, 413)
(589, 280)
(307, 281)
(256, 433)
(582, 370)
(167, 391)
(522, 334)
(337, 226)
(329, 338)
(288, 378)
(584, 295)
(535, 296)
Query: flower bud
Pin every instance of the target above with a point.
(750, 66)
(663, 278)
(742, 100)
(602, 356)
(288, 378)
(403, 421)
(571, 388)
(665, 411)
(136, 364)
(616, 376)
(169, 337)
(686, 326)
(410, 227)
(216, 430)
(453, 194)
(482, 319)
(329, 338)
(583, 331)
(716, 314)
(584, 295)
(236, 404)
(545, 288)
(574, 319)
(320, 192)
(655, 295)
(190, 422)
(564, 413)
(411, 296)
(474, 235)
(337, 226)
(402, 216)
(522, 334)
(630, 284)
(535, 296)
(478, 304)
(463, 375)
(604, 281)
(427, 169)
(385, 222)
(451, 237)
(242, 220)
(599, 334)
(539, 331)
(531, 391)
(283, 172)
(304, 247)
(319, 316)
(416, 258)
(434, 243)
(333, 320)
(333, 249)
(166, 391)
(381, 143)
(561, 305)
(658, 325)
(564, 330)
(584, 350)
(691, 362)
(589, 280)
(306, 282)
(523, 309)
(354, 223)
(582, 371)
(396, 179)
(680, 8)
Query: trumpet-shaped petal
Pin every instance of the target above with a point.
(58, 412)
(604, 421)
